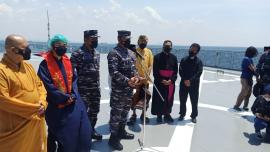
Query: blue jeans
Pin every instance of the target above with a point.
(259, 124)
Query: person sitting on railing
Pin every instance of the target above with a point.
(248, 70)
(261, 109)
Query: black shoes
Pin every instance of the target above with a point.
(114, 142)
(126, 135)
(132, 120)
(194, 120)
(147, 120)
(96, 135)
(123, 134)
(181, 118)
(236, 108)
(168, 118)
(159, 119)
(239, 109)
(259, 135)
(245, 108)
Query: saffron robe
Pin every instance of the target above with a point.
(21, 94)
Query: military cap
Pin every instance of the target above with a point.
(91, 33)
(124, 33)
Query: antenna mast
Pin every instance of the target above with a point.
(48, 25)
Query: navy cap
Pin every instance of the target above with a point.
(91, 33)
(124, 33)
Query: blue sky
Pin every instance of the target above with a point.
(208, 22)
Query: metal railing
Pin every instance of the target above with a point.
(224, 59)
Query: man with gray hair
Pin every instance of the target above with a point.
(144, 66)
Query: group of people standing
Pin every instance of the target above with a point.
(129, 70)
(261, 90)
(66, 91)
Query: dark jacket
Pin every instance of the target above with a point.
(191, 69)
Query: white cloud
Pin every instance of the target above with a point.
(114, 5)
(154, 14)
(211, 23)
(4, 8)
(16, 1)
(25, 10)
(134, 18)
(23, 1)
(101, 13)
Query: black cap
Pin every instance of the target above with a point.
(91, 33)
(266, 48)
(124, 33)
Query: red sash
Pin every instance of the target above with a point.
(56, 74)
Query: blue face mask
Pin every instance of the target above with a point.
(60, 51)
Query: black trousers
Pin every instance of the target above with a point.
(193, 92)
(267, 136)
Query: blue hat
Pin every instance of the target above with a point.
(124, 33)
(58, 38)
(267, 88)
(91, 33)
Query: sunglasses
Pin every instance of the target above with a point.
(19, 50)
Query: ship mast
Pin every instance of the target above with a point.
(48, 25)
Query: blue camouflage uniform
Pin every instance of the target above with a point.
(87, 63)
(121, 69)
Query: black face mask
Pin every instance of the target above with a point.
(167, 49)
(191, 54)
(126, 43)
(61, 50)
(27, 53)
(142, 45)
(94, 44)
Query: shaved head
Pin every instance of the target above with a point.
(14, 42)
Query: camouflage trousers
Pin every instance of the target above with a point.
(120, 107)
(91, 100)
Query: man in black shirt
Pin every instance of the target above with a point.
(190, 71)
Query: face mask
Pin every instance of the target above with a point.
(142, 45)
(167, 48)
(191, 54)
(94, 44)
(132, 47)
(27, 53)
(61, 50)
(126, 43)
